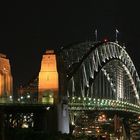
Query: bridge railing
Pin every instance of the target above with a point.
(28, 99)
(79, 103)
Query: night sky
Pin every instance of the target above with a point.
(28, 29)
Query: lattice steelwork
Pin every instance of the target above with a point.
(100, 75)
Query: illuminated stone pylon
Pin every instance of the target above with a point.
(48, 77)
(6, 80)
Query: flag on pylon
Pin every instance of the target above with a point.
(96, 35)
(117, 31)
(116, 38)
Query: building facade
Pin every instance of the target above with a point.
(48, 78)
(6, 80)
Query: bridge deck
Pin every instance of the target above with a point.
(33, 107)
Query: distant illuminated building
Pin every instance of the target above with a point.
(6, 80)
(48, 78)
(29, 90)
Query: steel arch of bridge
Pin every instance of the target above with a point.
(104, 68)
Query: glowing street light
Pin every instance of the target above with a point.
(21, 97)
(28, 96)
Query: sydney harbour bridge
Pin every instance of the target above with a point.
(100, 78)
(98, 94)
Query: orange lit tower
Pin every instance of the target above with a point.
(48, 77)
(6, 80)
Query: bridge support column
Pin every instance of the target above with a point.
(63, 118)
(126, 129)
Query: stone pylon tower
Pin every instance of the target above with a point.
(48, 78)
(6, 80)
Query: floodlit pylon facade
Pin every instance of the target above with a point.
(48, 78)
(6, 80)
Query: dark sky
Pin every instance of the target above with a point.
(27, 29)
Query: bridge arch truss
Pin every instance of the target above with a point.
(101, 76)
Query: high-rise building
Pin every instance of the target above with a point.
(48, 78)
(6, 80)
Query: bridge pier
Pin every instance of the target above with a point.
(63, 118)
(126, 129)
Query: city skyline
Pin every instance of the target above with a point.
(27, 30)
